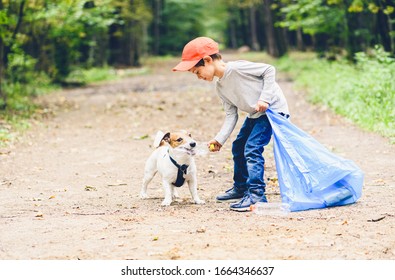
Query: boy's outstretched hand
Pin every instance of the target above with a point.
(214, 146)
(261, 106)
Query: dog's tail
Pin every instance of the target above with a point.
(158, 138)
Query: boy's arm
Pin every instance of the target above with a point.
(229, 123)
(269, 81)
(268, 74)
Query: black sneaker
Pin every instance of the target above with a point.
(247, 201)
(230, 195)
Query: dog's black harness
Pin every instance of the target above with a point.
(182, 169)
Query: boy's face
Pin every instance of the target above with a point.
(205, 72)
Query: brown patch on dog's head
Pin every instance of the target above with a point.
(178, 138)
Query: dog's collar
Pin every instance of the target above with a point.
(182, 169)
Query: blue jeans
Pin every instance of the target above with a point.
(247, 152)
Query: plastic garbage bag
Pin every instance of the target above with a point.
(309, 175)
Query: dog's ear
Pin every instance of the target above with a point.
(158, 138)
(166, 137)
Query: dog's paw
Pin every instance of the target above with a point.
(143, 195)
(199, 201)
(166, 202)
(175, 194)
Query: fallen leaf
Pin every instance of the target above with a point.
(90, 188)
(142, 137)
(201, 230)
(376, 220)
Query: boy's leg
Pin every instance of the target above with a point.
(259, 137)
(240, 176)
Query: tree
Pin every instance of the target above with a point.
(156, 25)
(274, 35)
(128, 36)
(253, 25)
(243, 23)
(354, 25)
(3, 97)
(9, 28)
(269, 29)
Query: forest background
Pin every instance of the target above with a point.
(340, 51)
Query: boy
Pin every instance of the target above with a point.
(245, 86)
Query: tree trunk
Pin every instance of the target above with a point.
(299, 40)
(346, 34)
(314, 42)
(157, 23)
(244, 27)
(3, 96)
(20, 18)
(384, 31)
(129, 48)
(254, 38)
(391, 31)
(269, 29)
(132, 47)
(7, 48)
(233, 36)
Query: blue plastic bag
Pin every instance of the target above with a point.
(309, 175)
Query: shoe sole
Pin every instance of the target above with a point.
(229, 200)
(247, 209)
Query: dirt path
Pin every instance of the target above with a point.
(69, 188)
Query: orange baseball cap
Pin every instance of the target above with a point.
(194, 51)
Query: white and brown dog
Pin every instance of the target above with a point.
(173, 159)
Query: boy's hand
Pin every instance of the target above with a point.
(261, 106)
(214, 146)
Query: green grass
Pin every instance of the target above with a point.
(363, 92)
(93, 75)
(10, 127)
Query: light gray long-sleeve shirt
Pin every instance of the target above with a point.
(240, 88)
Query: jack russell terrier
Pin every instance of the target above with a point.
(173, 159)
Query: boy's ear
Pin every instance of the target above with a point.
(207, 58)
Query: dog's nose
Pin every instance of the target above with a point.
(192, 144)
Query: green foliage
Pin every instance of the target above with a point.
(22, 81)
(215, 20)
(20, 66)
(183, 21)
(70, 25)
(135, 11)
(312, 16)
(364, 93)
(43, 41)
